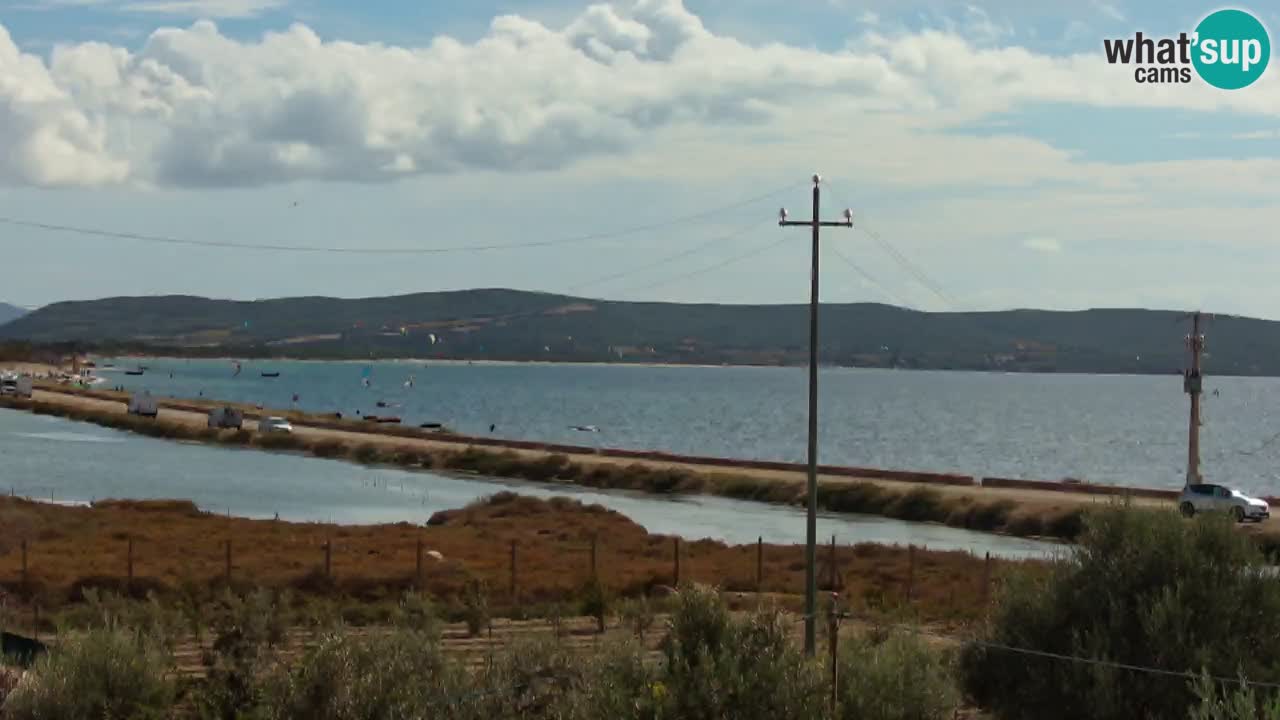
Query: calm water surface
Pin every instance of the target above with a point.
(53, 458)
(1103, 428)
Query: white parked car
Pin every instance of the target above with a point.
(1218, 498)
(274, 425)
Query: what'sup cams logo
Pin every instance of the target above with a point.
(1229, 50)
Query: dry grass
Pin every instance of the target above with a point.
(178, 549)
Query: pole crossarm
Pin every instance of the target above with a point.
(811, 522)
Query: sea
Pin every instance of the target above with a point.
(1113, 429)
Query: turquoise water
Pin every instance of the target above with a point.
(55, 459)
(1104, 428)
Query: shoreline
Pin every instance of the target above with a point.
(950, 501)
(624, 363)
(1019, 508)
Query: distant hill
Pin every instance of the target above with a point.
(10, 312)
(516, 325)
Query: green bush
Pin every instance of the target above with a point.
(717, 667)
(530, 679)
(246, 631)
(901, 678)
(1236, 702)
(345, 677)
(104, 673)
(637, 615)
(1143, 587)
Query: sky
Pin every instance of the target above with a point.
(635, 150)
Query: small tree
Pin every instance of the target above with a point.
(718, 667)
(1143, 587)
(105, 673)
(900, 678)
(1234, 702)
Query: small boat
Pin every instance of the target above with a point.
(139, 371)
(270, 374)
(431, 426)
(586, 428)
(143, 367)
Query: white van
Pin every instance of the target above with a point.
(24, 386)
(141, 403)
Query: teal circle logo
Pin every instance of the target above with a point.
(1231, 49)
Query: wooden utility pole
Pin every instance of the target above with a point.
(811, 528)
(1192, 383)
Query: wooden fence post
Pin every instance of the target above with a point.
(986, 581)
(911, 572)
(759, 564)
(677, 563)
(833, 570)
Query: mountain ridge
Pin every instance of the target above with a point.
(9, 313)
(516, 325)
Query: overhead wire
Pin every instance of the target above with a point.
(1099, 662)
(755, 250)
(867, 276)
(669, 258)
(273, 247)
(902, 260)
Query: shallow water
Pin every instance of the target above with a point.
(55, 459)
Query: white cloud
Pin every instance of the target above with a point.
(1257, 135)
(1109, 10)
(216, 9)
(193, 107)
(869, 18)
(1043, 244)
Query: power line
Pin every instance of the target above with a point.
(170, 240)
(912, 268)
(668, 259)
(701, 271)
(868, 277)
(1183, 674)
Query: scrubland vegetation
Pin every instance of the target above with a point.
(1149, 616)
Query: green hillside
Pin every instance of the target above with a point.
(516, 325)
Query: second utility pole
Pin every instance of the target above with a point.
(1192, 384)
(811, 530)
